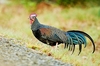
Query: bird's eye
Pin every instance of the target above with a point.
(32, 16)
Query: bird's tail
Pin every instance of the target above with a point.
(76, 37)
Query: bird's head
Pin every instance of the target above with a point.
(32, 18)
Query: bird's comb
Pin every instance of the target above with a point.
(33, 14)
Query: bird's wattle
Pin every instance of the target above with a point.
(31, 21)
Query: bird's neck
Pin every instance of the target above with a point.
(35, 24)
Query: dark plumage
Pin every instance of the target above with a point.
(52, 36)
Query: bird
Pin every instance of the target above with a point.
(53, 36)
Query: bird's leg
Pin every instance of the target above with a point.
(47, 42)
(56, 45)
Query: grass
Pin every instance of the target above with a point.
(14, 23)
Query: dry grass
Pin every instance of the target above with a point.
(14, 23)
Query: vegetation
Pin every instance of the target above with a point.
(61, 2)
(14, 23)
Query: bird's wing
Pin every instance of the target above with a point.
(53, 34)
(45, 32)
(61, 35)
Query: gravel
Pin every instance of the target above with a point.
(12, 53)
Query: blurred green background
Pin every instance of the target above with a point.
(66, 15)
